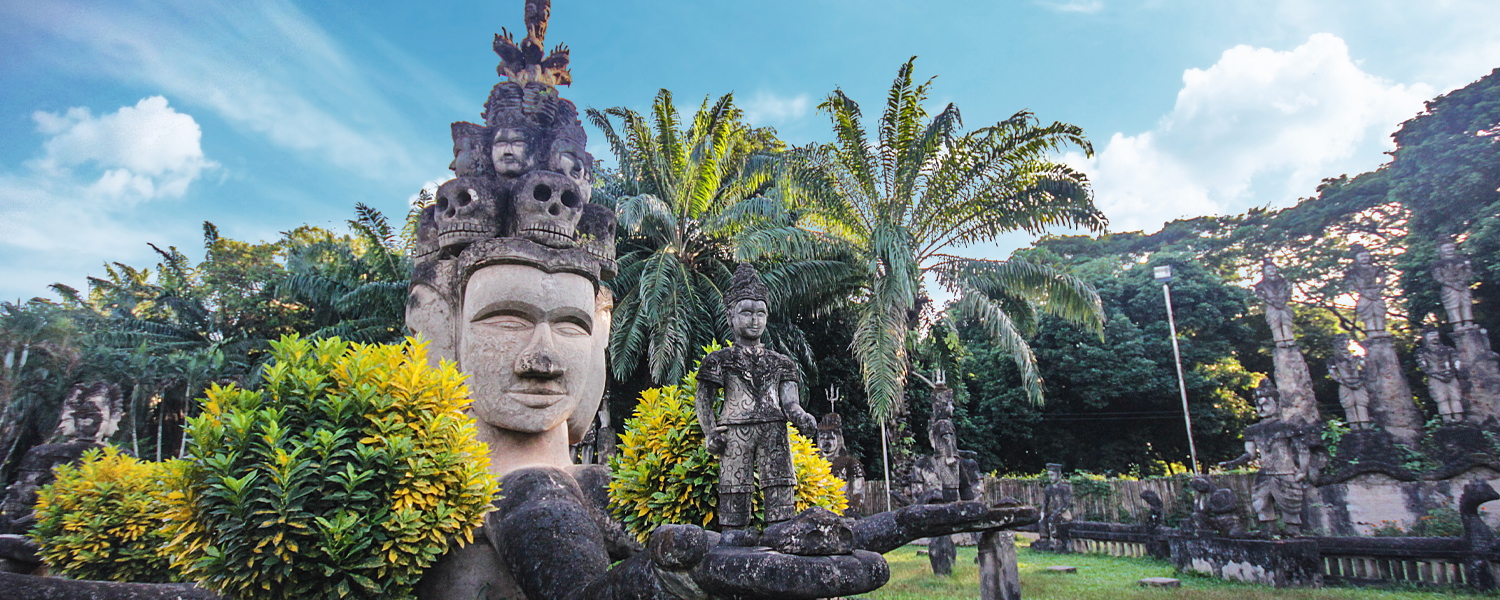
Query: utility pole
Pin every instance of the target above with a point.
(1164, 275)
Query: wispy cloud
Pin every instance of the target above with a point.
(264, 67)
(767, 108)
(1259, 127)
(1086, 7)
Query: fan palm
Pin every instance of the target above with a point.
(890, 214)
(683, 195)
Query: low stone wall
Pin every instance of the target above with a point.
(1285, 563)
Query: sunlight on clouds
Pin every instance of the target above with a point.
(147, 151)
(769, 109)
(1260, 127)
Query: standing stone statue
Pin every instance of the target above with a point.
(90, 414)
(845, 467)
(760, 396)
(1443, 368)
(1391, 406)
(1276, 292)
(1367, 279)
(1349, 371)
(1456, 274)
(1285, 454)
(1057, 508)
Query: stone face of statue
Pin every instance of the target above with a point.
(1362, 258)
(1054, 476)
(509, 152)
(1270, 270)
(1447, 250)
(748, 319)
(1265, 406)
(527, 344)
(1432, 339)
(828, 443)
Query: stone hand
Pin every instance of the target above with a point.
(806, 424)
(715, 440)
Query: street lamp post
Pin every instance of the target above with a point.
(1164, 275)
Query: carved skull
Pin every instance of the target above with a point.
(467, 211)
(426, 246)
(548, 206)
(596, 232)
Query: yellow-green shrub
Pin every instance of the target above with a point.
(343, 477)
(104, 519)
(664, 474)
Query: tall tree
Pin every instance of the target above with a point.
(889, 214)
(684, 193)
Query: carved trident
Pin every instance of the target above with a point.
(833, 398)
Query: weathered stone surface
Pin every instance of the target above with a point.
(20, 549)
(1287, 563)
(1062, 569)
(1483, 385)
(1294, 382)
(26, 587)
(90, 414)
(816, 531)
(737, 572)
(1057, 508)
(887, 531)
(1391, 404)
(1161, 582)
(941, 552)
(999, 571)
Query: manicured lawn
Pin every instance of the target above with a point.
(1101, 577)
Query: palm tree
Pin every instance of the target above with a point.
(683, 196)
(888, 215)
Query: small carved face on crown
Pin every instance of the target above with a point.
(471, 156)
(596, 229)
(510, 152)
(466, 212)
(569, 158)
(548, 206)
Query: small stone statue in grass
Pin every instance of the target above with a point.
(1285, 462)
(1444, 370)
(1349, 371)
(760, 393)
(1057, 508)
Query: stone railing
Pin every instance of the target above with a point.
(1410, 560)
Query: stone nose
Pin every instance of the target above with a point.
(537, 361)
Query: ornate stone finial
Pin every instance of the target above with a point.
(524, 63)
(746, 285)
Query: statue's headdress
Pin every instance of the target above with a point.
(831, 422)
(1054, 467)
(746, 285)
(1426, 329)
(1355, 249)
(943, 426)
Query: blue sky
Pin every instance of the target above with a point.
(133, 122)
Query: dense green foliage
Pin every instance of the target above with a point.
(886, 214)
(105, 519)
(345, 476)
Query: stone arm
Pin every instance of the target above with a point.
(1249, 455)
(889, 530)
(703, 402)
(1303, 455)
(791, 406)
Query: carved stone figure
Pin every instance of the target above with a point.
(1057, 508)
(1443, 368)
(760, 396)
(1215, 512)
(1276, 292)
(1349, 371)
(1156, 512)
(90, 414)
(845, 467)
(1285, 454)
(1367, 279)
(1456, 274)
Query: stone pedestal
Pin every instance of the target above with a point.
(1391, 405)
(1288, 563)
(999, 572)
(1295, 384)
(941, 552)
(1482, 390)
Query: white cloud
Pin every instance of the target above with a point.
(1086, 7)
(74, 200)
(767, 108)
(1260, 127)
(265, 67)
(146, 151)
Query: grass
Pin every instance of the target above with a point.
(1102, 577)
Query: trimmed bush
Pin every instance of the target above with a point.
(104, 519)
(663, 473)
(345, 476)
